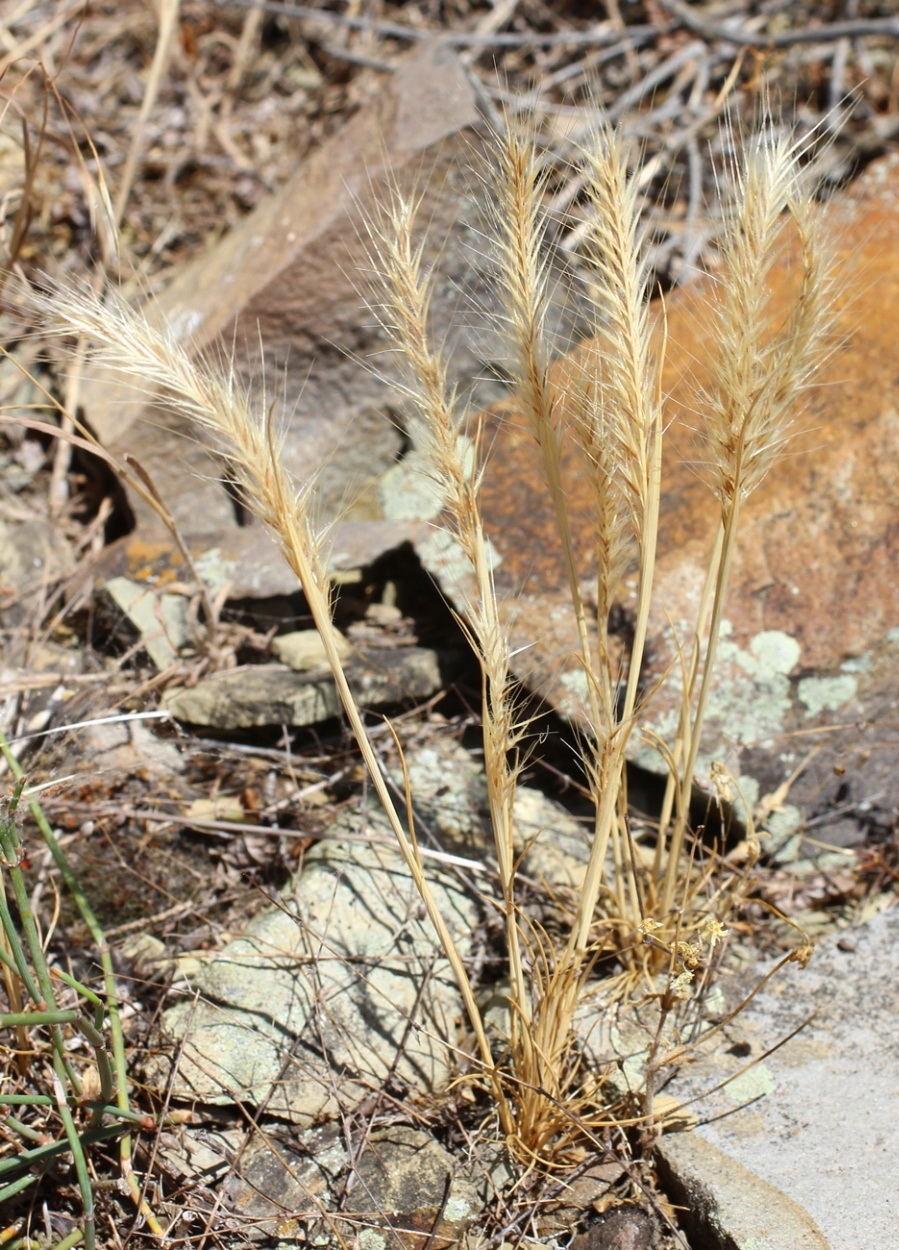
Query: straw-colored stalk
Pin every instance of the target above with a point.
(216, 402)
(615, 416)
(623, 431)
(401, 302)
(614, 412)
(762, 371)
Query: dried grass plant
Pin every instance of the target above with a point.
(658, 913)
(67, 1039)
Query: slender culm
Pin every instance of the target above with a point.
(646, 905)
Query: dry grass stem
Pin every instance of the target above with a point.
(402, 296)
(217, 403)
(522, 276)
(764, 364)
(659, 909)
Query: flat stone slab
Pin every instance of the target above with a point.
(273, 694)
(824, 1126)
(726, 1206)
(342, 987)
(327, 996)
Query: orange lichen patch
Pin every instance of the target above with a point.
(154, 561)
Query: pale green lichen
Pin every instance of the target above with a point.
(826, 694)
(574, 682)
(788, 852)
(408, 492)
(784, 821)
(371, 1239)
(755, 1082)
(162, 620)
(214, 569)
(443, 556)
(411, 491)
(748, 704)
(747, 789)
(457, 1209)
(751, 696)
(774, 653)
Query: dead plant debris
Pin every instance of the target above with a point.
(110, 118)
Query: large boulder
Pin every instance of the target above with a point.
(808, 679)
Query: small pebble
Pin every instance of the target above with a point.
(625, 1228)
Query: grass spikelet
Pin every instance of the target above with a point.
(621, 281)
(643, 904)
(762, 368)
(217, 403)
(623, 435)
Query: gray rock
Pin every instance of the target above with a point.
(245, 561)
(28, 705)
(303, 649)
(589, 1189)
(552, 843)
(282, 293)
(117, 748)
(330, 994)
(415, 1185)
(272, 694)
(200, 1154)
(556, 846)
(33, 554)
(625, 1228)
(342, 985)
(823, 1124)
(161, 620)
(728, 1207)
(284, 1187)
(399, 1190)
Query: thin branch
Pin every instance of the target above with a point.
(884, 28)
(602, 33)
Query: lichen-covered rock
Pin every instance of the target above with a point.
(324, 997)
(810, 631)
(272, 694)
(343, 985)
